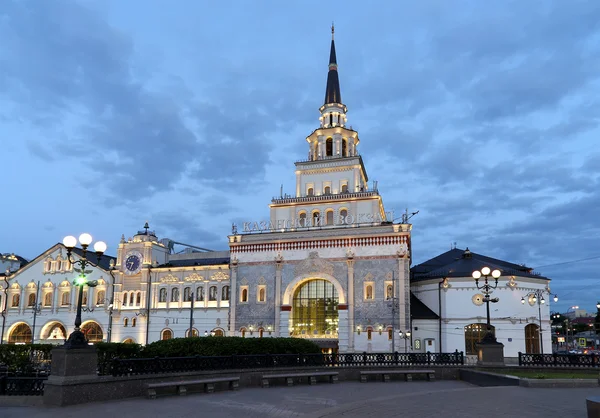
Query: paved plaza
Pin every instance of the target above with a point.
(346, 399)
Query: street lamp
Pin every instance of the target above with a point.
(405, 336)
(487, 289)
(537, 296)
(77, 338)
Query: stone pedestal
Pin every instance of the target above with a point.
(70, 368)
(490, 353)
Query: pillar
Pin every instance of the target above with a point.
(278, 269)
(350, 301)
(284, 321)
(344, 332)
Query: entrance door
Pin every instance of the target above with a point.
(430, 345)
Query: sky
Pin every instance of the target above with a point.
(482, 116)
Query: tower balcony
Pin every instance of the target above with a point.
(324, 197)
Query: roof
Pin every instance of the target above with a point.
(332, 91)
(462, 263)
(104, 261)
(418, 310)
(196, 262)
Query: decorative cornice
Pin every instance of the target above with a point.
(313, 264)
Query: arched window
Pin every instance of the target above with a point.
(473, 334)
(175, 294)
(327, 190)
(310, 191)
(243, 331)
(244, 295)
(125, 322)
(217, 332)
(47, 299)
(20, 334)
(369, 333)
(344, 147)
(390, 332)
(125, 298)
(343, 215)
(16, 300)
(225, 293)
(200, 294)
(31, 299)
(133, 322)
(260, 332)
(369, 292)
(314, 309)
(194, 333)
(187, 294)
(302, 219)
(329, 217)
(92, 332)
(344, 188)
(65, 298)
(262, 294)
(389, 291)
(84, 300)
(212, 293)
(532, 339)
(329, 147)
(166, 334)
(315, 218)
(128, 341)
(315, 150)
(138, 298)
(100, 296)
(162, 295)
(131, 299)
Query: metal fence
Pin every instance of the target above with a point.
(124, 367)
(22, 386)
(559, 360)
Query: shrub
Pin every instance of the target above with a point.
(109, 351)
(25, 359)
(227, 346)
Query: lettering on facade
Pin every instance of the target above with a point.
(314, 222)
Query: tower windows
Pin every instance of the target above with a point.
(345, 188)
(315, 218)
(343, 215)
(302, 219)
(331, 119)
(125, 322)
(329, 147)
(344, 147)
(329, 217)
(327, 190)
(310, 191)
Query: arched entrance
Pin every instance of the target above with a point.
(532, 339)
(20, 334)
(473, 334)
(315, 310)
(54, 331)
(92, 332)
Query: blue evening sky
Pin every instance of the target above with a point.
(190, 114)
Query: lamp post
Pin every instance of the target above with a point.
(537, 296)
(77, 338)
(568, 321)
(111, 303)
(487, 288)
(405, 336)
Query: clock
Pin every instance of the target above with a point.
(478, 299)
(133, 262)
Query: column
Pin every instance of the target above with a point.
(350, 301)
(298, 191)
(284, 321)
(233, 297)
(402, 317)
(278, 269)
(344, 333)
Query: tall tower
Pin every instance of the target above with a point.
(332, 184)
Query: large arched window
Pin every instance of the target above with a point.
(162, 295)
(65, 298)
(314, 309)
(194, 333)
(217, 332)
(200, 294)
(343, 214)
(532, 339)
(187, 294)
(16, 300)
(212, 293)
(31, 299)
(166, 334)
(56, 331)
(329, 147)
(473, 334)
(92, 332)
(47, 299)
(303, 219)
(20, 334)
(100, 296)
(315, 218)
(175, 294)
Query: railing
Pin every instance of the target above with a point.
(124, 367)
(22, 386)
(330, 196)
(559, 360)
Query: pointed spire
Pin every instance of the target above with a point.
(332, 92)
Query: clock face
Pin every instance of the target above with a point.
(133, 262)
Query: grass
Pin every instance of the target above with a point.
(554, 374)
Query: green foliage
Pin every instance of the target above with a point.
(25, 359)
(227, 346)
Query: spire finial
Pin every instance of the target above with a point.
(332, 30)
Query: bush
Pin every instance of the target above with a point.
(25, 359)
(227, 346)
